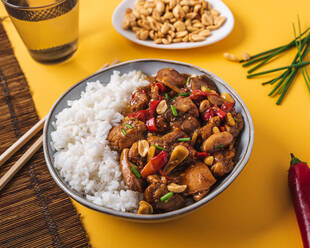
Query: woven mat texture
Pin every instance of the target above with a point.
(34, 211)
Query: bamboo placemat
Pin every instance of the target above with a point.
(34, 211)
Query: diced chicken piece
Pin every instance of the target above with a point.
(139, 100)
(198, 178)
(162, 125)
(171, 76)
(203, 81)
(130, 179)
(190, 124)
(166, 140)
(155, 191)
(175, 202)
(206, 131)
(184, 105)
(224, 162)
(121, 136)
(170, 138)
(134, 156)
(239, 124)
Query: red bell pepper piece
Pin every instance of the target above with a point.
(151, 124)
(201, 155)
(299, 184)
(222, 128)
(152, 108)
(208, 114)
(142, 115)
(227, 106)
(155, 164)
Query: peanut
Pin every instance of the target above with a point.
(246, 56)
(231, 57)
(172, 21)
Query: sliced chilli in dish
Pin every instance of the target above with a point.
(177, 139)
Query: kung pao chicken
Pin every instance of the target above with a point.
(177, 139)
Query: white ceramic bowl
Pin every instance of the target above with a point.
(216, 35)
(150, 67)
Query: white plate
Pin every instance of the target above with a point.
(216, 35)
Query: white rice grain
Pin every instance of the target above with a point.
(84, 158)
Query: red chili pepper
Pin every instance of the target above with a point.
(155, 164)
(208, 114)
(152, 108)
(198, 95)
(162, 88)
(299, 184)
(220, 113)
(151, 124)
(142, 115)
(227, 106)
(201, 155)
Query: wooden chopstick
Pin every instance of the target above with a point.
(20, 162)
(21, 141)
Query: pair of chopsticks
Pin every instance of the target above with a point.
(30, 152)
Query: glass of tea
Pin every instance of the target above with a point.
(49, 28)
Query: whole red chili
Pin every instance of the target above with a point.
(299, 184)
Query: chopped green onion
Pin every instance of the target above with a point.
(184, 139)
(135, 172)
(184, 94)
(128, 126)
(123, 131)
(188, 81)
(167, 96)
(160, 147)
(174, 111)
(165, 198)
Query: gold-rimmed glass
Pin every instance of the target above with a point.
(49, 28)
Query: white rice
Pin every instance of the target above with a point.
(83, 156)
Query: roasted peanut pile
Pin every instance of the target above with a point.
(172, 21)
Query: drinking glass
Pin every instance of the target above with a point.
(49, 28)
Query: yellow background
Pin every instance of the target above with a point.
(255, 211)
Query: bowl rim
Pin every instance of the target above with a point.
(133, 216)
